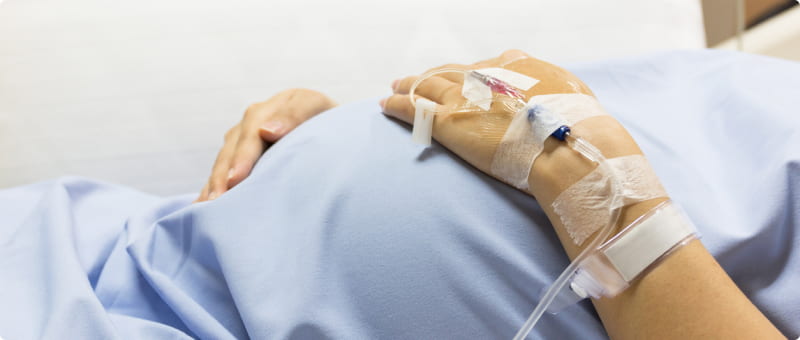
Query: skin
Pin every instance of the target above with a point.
(687, 296)
(263, 123)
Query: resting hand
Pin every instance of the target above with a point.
(475, 137)
(263, 123)
(689, 281)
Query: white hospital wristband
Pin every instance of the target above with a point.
(632, 252)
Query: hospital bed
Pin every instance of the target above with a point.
(347, 230)
(317, 256)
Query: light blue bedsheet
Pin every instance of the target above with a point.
(347, 230)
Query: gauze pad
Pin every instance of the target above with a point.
(587, 205)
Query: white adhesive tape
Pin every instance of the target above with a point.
(639, 246)
(478, 93)
(423, 121)
(524, 138)
(572, 107)
(586, 205)
(509, 77)
(520, 145)
(634, 251)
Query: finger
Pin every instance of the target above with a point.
(456, 77)
(437, 89)
(249, 149)
(503, 59)
(218, 182)
(203, 194)
(398, 106)
(272, 131)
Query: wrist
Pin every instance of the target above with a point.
(559, 167)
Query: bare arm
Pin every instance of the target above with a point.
(688, 296)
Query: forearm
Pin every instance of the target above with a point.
(688, 295)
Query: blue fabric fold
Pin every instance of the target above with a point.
(346, 230)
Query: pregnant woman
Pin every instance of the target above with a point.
(345, 229)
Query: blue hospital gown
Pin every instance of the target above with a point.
(347, 230)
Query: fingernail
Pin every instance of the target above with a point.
(382, 103)
(230, 173)
(395, 84)
(272, 127)
(212, 196)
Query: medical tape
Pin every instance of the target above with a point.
(524, 139)
(477, 93)
(509, 77)
(423, 121)
(635, 250)
(587, 205)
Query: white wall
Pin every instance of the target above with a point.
(140, 92)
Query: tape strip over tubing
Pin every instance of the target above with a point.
(591, 199)
(635, 250)
(524, 139)
(478, 93)
(423, 121)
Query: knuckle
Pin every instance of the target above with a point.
(451, 92)
(218, 179)
(230, 133)
(388, 104)
(513, 53)
(293, 90)
(221, 163)
(394, 104)
(250, 111)
(408, 81)
(287, 111)
(292, 119)
(451, 65)
(457, 66)
(303, 91)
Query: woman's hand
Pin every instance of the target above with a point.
(475, 137)
(263, 123)
(689, 281)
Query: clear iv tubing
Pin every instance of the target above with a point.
(591, 153)
(428, 75)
